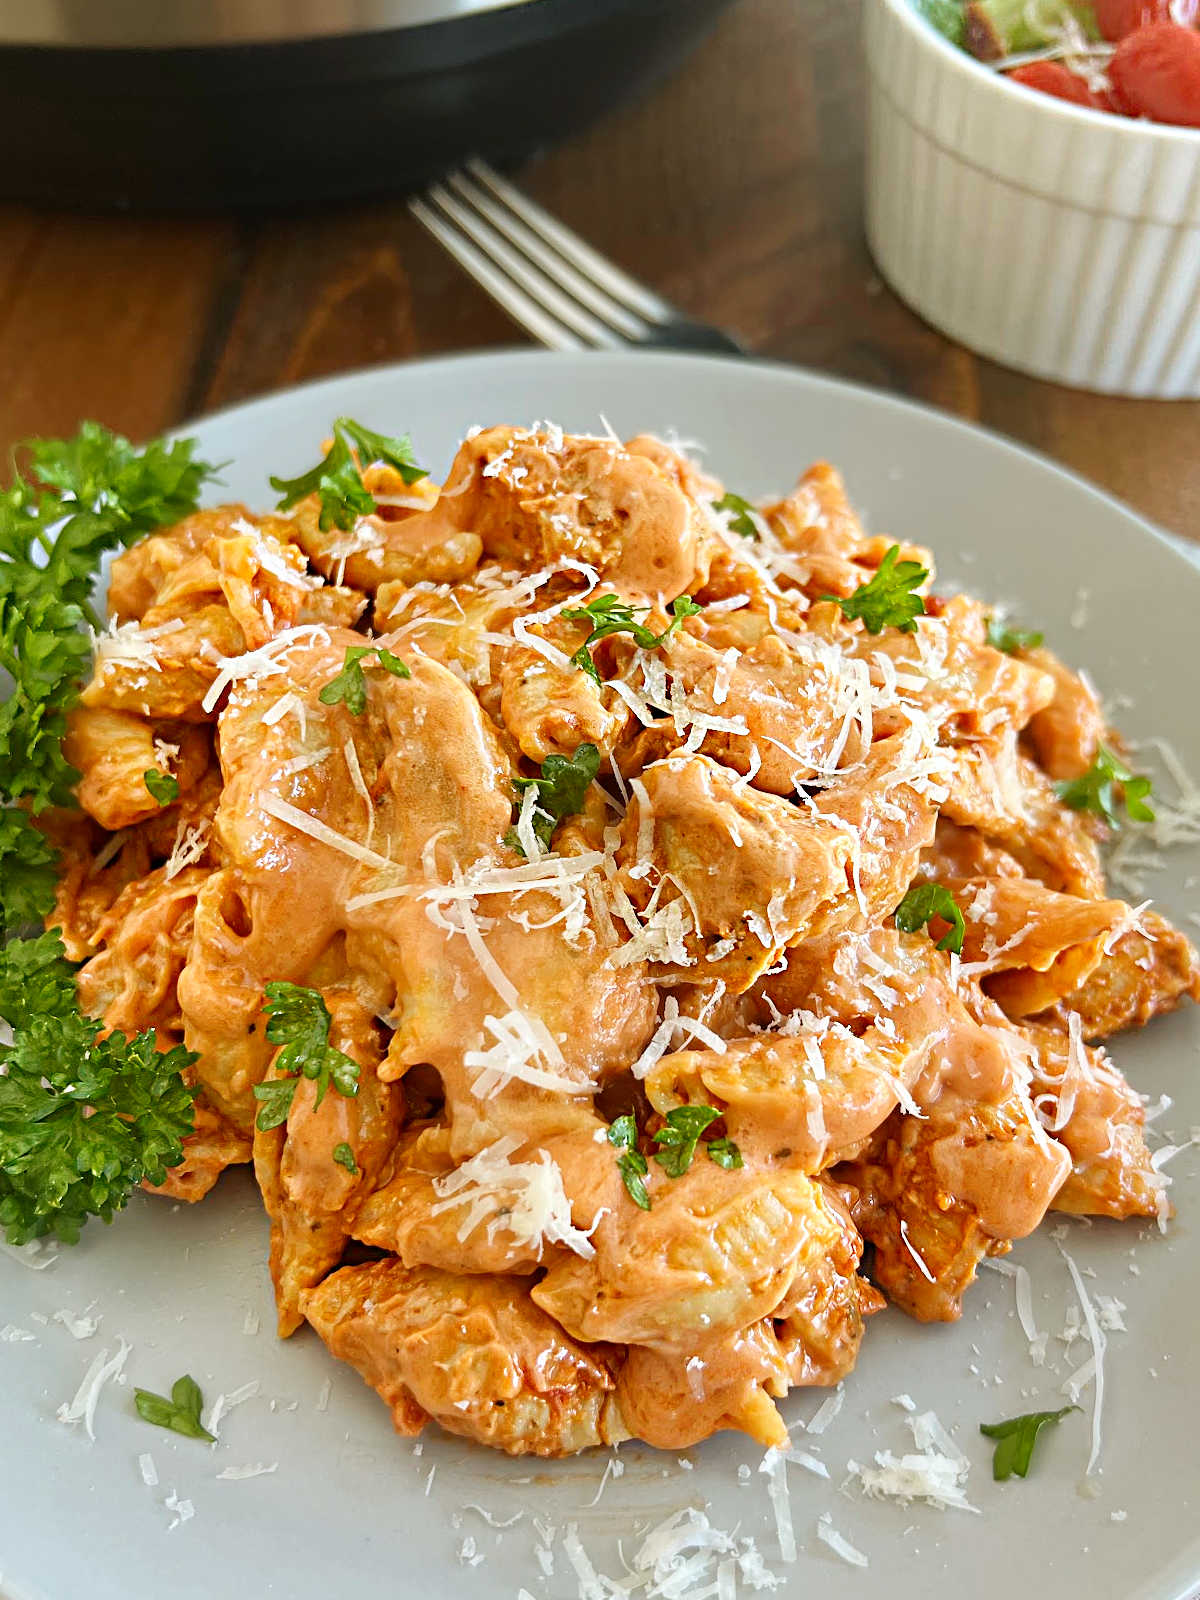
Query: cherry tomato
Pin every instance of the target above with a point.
(1119, 17)
(1155, 73)
(1051, 77)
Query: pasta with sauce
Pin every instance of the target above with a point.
(596, 888)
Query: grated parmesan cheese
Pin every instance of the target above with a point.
(526, 1198)
(82, 1406)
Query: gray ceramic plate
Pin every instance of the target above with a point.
(350, 1509)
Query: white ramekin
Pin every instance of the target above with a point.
(1062, 241)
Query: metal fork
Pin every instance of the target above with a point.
(558, 288)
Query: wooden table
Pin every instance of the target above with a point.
(735, 189)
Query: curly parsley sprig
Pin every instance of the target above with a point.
(83, 1119)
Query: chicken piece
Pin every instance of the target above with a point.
(314, 1169)
(717, 1252)
(964, 853)
(553, 710)
(1034, 946)
(819, 1324)
(675, 1398)
(802, 706)
(475, 1354)
(113, 750)
(169, 673)
(379, 549)
(138, 574)
(404, 1216)
(1150, 969)
(1065, 734)
(805, 1096)
(832, 552)
(93, 868)
(1100, 1119)
(213, 1145)
(752, 870)
(143, 944)
(537, 498)
(688, 474)
(937, 1194)
(1011, 802)
(952, 675)
(888, 811)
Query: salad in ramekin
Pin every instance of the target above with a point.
(1134, 58)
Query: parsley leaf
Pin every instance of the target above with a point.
(337, 479)
(1001, 635)
(922, 903)
(886, 601)
(350, 685)
(678, 1139)
(162, 786)
(1093, 790)
(559, 791)
(742, 514)
(609, 614)
(181, 1413)
(631, 1163)
(299, 1021)
(725, 1153)
(1015, 1440)
(344, 1157)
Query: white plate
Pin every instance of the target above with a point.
(353, 1510)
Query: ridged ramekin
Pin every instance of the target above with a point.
(1062, 241)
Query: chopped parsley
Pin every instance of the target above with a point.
(677, 1142)
(631, 1163)
(300, 1021)
(887, 600)
(609, 614)
(349, 687)
(922, 903)
(181, 1413)
(559, 792)
(1001, 635)
(337, 478)
(344, 1157)
(162, 786)
(1015, 1440)
(742, 515)
(1094, 790)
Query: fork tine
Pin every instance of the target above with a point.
(473, 261)
(619, 285)
(548, 261)
(540, 289)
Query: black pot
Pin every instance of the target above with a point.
(161, 104)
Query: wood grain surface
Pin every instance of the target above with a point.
(735, 189)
